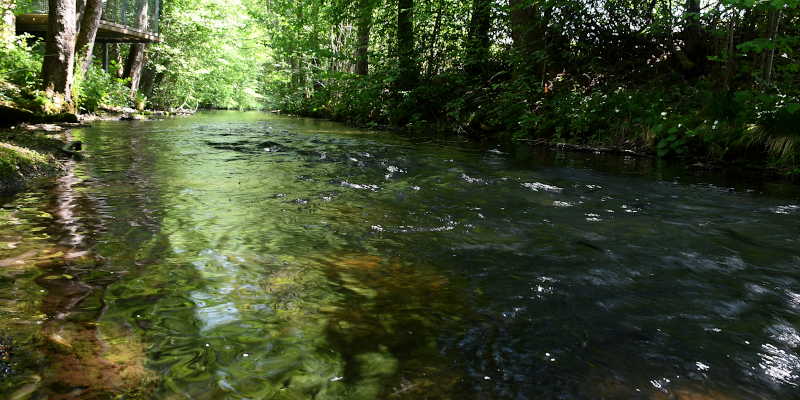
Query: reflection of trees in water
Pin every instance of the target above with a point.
(89, 355)
(59, 351)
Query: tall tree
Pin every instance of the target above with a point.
(116, 56)
(432, 62)
(527, 32)
(365, 8)
(478, 41)
(6, 19)
(695, 48)
(134, 65)
(59, 57)
(136, 54)
(90, 21)
(407, 63)
(773, 20)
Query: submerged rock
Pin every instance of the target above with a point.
(133, 117)
(105, 361)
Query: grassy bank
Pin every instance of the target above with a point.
(30, 152)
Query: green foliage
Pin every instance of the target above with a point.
(608, 73)
(210, 57)
(140, 101)
(99, 88)
(772, 122)
(20, 64)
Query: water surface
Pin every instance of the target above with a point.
(253, 256)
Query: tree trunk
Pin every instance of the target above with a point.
(338, 41)
(79, 5)
(57, 67)
(364, 27)
(730, 65)
(407, 65)
(148, 81)
(478, 41)
(693, 37)
(89, 24)
(773, 18)
(316, 67)
(133, 67)
(527, 33)
(115, 54)
(7, 20)
(136, 56)
(433, 56)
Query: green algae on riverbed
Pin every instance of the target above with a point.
(245, 255)
(24, 242)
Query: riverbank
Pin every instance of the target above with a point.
(28, 152)
(34, 145)
(687, 123)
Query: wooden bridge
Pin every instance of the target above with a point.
(123, 21)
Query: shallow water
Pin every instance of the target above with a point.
(253, 256)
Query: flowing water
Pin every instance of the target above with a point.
(252, 256)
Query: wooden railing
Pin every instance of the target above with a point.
(138, 15)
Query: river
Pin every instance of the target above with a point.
(253, 256)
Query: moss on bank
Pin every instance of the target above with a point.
(28, 154)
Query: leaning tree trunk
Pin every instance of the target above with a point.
(59, 57)
(364, 27)
(133, 67)
(90, 21)
(79, 6)
(478, 40)
(136, 56)
(407, 65)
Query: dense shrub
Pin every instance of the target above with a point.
(99, 88)
(19, 63)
